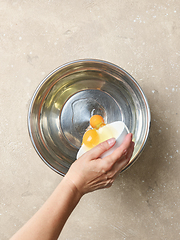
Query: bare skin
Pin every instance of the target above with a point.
(86, 174)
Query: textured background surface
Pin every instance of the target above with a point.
(140, 36)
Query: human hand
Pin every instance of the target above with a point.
(90, 172)
(86, 174)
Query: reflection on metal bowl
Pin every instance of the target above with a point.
(65, 100)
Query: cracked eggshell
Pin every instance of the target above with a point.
(117, 129)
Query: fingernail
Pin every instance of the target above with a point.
(111, 141)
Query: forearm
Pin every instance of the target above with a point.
(86, 174)
(48, 222)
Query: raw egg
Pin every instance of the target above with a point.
(93, 137)
(96, 121)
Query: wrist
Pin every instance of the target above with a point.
(69, 184)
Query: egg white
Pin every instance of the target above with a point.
(117, 130)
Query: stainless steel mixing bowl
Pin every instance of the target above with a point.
(65, 100)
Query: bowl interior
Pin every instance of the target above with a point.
(65, 100)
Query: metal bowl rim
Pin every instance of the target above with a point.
(93, 61)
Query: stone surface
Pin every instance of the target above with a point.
(140, 36)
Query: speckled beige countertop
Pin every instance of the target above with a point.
(142, 37)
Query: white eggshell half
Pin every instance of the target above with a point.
(83, 149)
(121, 132)
(118, 130)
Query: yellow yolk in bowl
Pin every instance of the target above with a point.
(98, 134)
(96, 121)
(91, 138)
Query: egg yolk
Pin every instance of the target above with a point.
(96, 121)
(91, 138)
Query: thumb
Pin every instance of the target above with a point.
(96, 152)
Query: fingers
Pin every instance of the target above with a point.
(96, 152)
(122, 162)
(119, 157)
(108, 177)
(122, 149)
(125, 160)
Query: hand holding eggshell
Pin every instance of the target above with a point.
(90, 172)
(102, 132)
